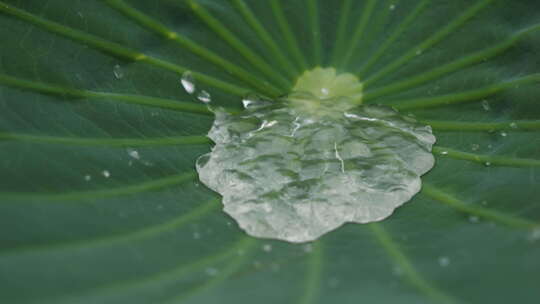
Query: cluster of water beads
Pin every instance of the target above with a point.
(302, 166)
(188, 83)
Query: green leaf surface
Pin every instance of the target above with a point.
(100, 203)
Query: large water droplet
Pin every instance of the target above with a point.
(354, 166)
(188, 82)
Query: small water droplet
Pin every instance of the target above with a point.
(513, 125)
(211, 271)
(267, 247)
(106, 173)
(535, 235)
(397, 271)
(392, 7)
(475, 147)
(133, 153)
(325, 91)
(418, 52)
(204, 96)
(444, 152)
(484, 203)
(485, 105)
(87, 178)
(118, 72)
(240, 252)
(474, 219)
(196, 235)
(490, 146)
(159, 207)
(487, 164)
(188, 82)
(444, 261)
(333, 282)
(503, 134)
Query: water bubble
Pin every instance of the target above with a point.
(188, 82)
(474, 219)
(325, 91)
(490, 146)
(204, 96)
(444, 152)
(419, 52)
(503, 134)
(513, 125)
(133, 153)
(267, 247)
(87, 178)
(392, 7)
(487, 164)
(475, 147)
(106, 173)
(211, 271)
(118, 72)
(485, 105)
(444, 261)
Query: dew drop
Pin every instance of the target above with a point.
(475, 147)
(133, 153)
(392, 7)
(118, 72)
(535, 235)
(485, 105)
(487, 164)
(503, 134)
(444, 261)
(419, 52)
(513, 125)
(204, 96)
(444, 152)
(196, 235)
(397, 271)
(87, 178)
(188, 82)
(474, 219)
(210, 271)
(308, 248)
(333, 282)
(267, 247)
(106, 173)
